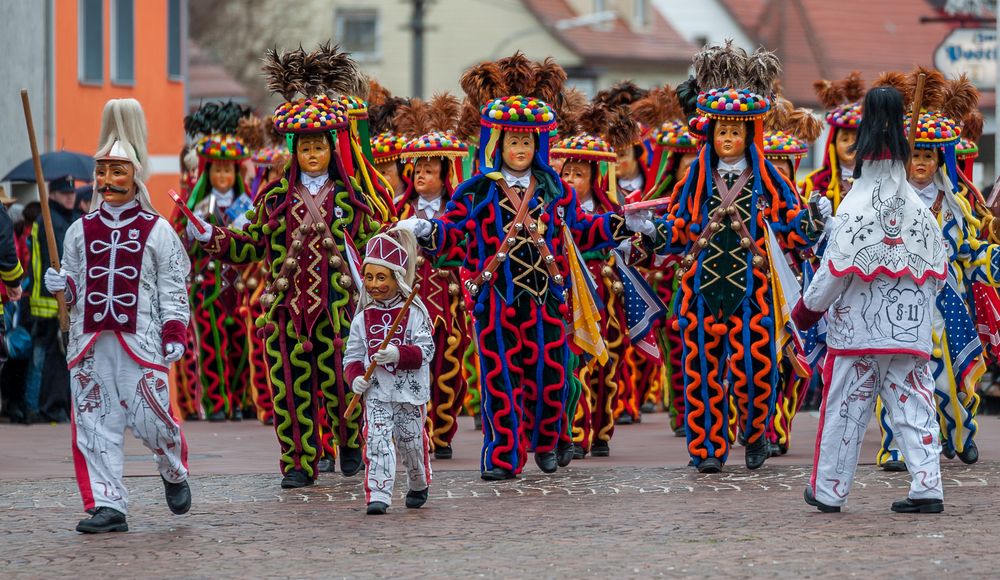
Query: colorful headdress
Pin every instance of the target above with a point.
(322, 78)
(387, 144)
(842, 99)
(735, 85)
(514, 94)
(430, 129)
(789, 131)
(602, 132)
(216, 126)
(676, 137)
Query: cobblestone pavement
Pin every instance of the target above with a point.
(638, 513)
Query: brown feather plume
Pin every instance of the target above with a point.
(830, 94)
(972, 128)
(443, 111)
(727, 66)
(272, 137)
(381, 117)
(413, 118)
(760, 70)
(468, 122)
(549, 79)
(620, 129)
(570, 105)
(594, 119)
(659, 105)
(778, 118)
(853, 86)
(338, 73)
(934, 88)
(483, 83)
(251, 131)
(960, 98)
(898, 81)
(518, 74)
(377, 94)
(284, 72)
(805, 125)
(622, 93)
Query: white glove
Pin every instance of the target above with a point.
(387, 356)
(625, 246)
(192, 230)
(641, 222)
(359, 386)
(55, 280)
(173, 352)
(825, 207)
(419, 227)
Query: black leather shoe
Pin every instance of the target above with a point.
(757, 453)
(600, 448)
(710, 465)
(377, 508)
(578, 452)
(564, 453)
(497, 474)
(350, 460)
(296, 478)
(811, 500)
(918, 506)
(442, 452)
(949, 452)
(970, 454)
(894, 465)
(415, 499)
(217, 417)
(680, 432)
(625, 419)
(178, 496)
(237, 414)
(546, 461)
(105, 519)
(648, 407)
(249, 413)
(477, 421)
(325, 464)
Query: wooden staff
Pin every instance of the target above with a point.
(918, 100)
(385, 342)
(43, 198)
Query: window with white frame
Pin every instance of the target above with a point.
(123, 42)
(358, 31)
(90, 62)
(640, 13)
(174, 38)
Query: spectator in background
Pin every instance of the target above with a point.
(10, 282)
(47, 389)
(84, 195)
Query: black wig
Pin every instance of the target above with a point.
(881, 134)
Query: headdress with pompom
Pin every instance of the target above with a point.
(429, 127)
(789, 131)
(602, 131)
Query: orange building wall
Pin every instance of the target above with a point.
(78, 106)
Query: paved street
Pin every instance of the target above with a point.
(639, 513)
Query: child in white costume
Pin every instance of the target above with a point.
(880, 274)
(397, 394)
(124, 274)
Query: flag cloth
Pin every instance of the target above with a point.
(586, 314)
(785, 292)
(987, 308)
(643, 307)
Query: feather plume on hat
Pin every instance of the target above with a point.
(327, 70)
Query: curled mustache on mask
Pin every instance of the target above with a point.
(112, 189)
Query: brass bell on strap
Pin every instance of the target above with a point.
(549, 259)
(329, 244)
(346, 282)
(606, 271)
(618, 288)
(266, 300)
(281, 284)
(731, 210)
(687, 261)
(303, 230)
(745, 243)
(199, 279)
(420, 261)
(252, 282)
(658, 275)
(757, 261)
(715, 226)
(501, 256)
(487, 275)
(703, 242)
(336, 261)
(318, 228)
(297, 245)
(453, 289)
(291, 263)
(558, 279)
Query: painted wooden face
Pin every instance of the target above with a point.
(313, 153)
(627, 165)
(518, 150)
(380, 282)
(923, 166)
(730, 138)
(844, 142)
(578, 174)
(222, 175)
(114, 181)
(684, 164)
(427, 177)
(390, 171)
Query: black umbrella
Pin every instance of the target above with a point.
(55, 165)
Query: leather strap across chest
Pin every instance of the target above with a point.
(726, 206)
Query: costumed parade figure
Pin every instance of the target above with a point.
(787, 134)
(437, 157)
(965, 313)
(11, 273)
(519, 221)
(124, 276)
(727, 217)
(834, 178)
(589, 168)
(879, 278)
(304, 228)
(396, 395)
(217, 290)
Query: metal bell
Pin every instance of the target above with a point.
(532, 227)
(501, 256)
(473, 289)
(702, 242)
(618, 288)
(731, 210)
(688, 260)
(253, 282)
(266, 300)
(240, 286)
(453, 289)
(329, 244)
(487, 275)
(297, 245)
(336, 261)
(658, 276)
(558, 279)
(281, 284)
(420, 261)
(606, 271)
(757, 260)
(549, 259)
(518, 226)
(318, 228)
(303, 230)
(346, 282)
(291, 263)
(715, 226)
(745, 243)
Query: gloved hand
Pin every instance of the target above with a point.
(173, 351)
(387, 356)
(419, 227)
(192, 230)
(640, 222)
(359, 386)
(825, 207)
(55, 280)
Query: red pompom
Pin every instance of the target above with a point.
(718, 329)
(509, 312)
(470, 225)
(269, 328)
(307, 346)
(564, 310)
(544, 218)
(338, 342)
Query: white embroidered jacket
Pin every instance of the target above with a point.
(409, 380)
(126, 274)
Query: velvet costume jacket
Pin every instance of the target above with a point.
(479, 214)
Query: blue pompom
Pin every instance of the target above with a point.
(767, 321)
(533, 203)
(683, 322)
(450, 206)
(696, 229)
(479, 309)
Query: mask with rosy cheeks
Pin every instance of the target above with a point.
(730, 139)
(427, 177)
(222, 175)
(684, 164)
(380, 282)
(577, 174)
(923, 166)
(390, 171)
(114, 181)
(312, 151)
(784, 167)
(627, 167)
(844, 144)
(518, 150)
